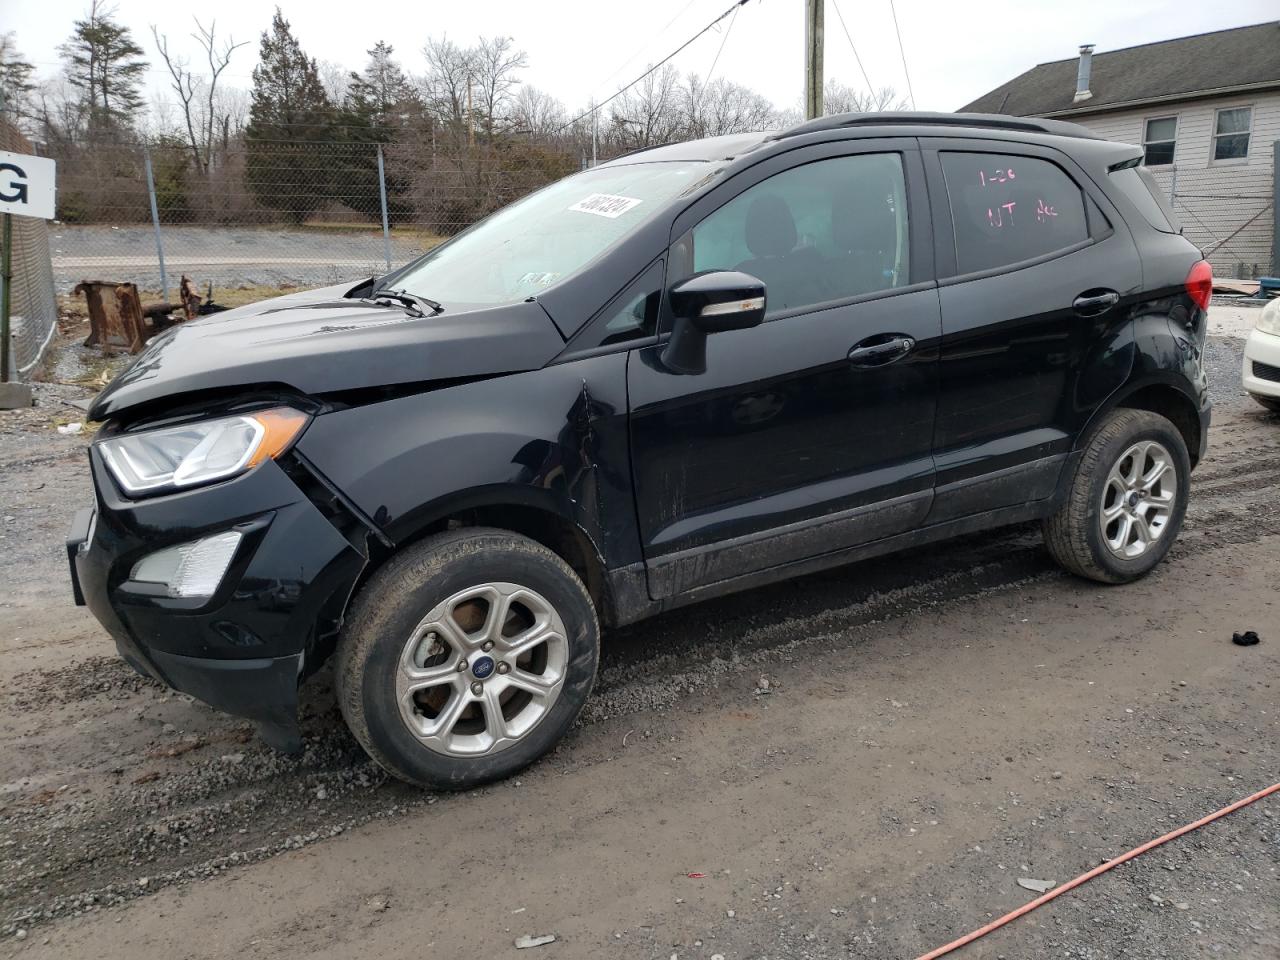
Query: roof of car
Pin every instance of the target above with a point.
(950, 122)
(707, 149)
(892, 123)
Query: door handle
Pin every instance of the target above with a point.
(877, 351)
(1093, 302)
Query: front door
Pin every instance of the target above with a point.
(811, 432)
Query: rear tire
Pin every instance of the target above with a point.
(1126, 502)
(466, 658)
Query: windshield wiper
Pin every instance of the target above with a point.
(421, 304)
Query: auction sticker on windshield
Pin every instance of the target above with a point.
(605, 205)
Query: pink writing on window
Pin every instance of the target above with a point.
(996, 216)
(996, 176)
(1044, 211)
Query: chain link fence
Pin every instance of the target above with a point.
(280, 214)
(277, 214)
(1235, 229)
(34, 311)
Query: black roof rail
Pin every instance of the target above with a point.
(992, 121)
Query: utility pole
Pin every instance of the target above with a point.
(813, 59)
(471, 117)
(6, 280)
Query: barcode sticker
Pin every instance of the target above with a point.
(605, 205)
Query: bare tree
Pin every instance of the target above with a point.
(231, 113)
(649, 112)
(445, 86)
(721, 107)
(218, 58)
(495, 65)
(184, 85)
(536, 114)
(61, 112)
(197, 94)
(837, 98)
(335, 79)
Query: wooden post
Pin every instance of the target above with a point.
(813, 59)
(6, 272)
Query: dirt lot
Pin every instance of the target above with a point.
(862, 763)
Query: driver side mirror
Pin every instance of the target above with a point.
(710, 302)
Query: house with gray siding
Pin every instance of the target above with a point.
(1206, 110)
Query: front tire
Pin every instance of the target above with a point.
(466, 658)
(1126, 502)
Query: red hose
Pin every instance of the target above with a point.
(1103, 868)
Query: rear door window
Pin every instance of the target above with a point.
(1006, 209)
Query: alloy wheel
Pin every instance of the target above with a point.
(482, 669)
(1138, 499)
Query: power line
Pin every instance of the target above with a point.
(652, 69)
(870, 89)
(627, 62)
(903, 54)
(720, 49)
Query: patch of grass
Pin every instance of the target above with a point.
(252, 293)
(72, 309)
(397, 230)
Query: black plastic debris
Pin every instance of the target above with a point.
(1246, 639)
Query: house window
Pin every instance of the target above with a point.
(1159, 141)
(1231, 133)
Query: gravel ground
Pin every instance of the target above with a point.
(860, 763)
(225, 256)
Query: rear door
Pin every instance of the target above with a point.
(811, 432)
(1037, 272)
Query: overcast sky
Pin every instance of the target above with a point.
(955, 50)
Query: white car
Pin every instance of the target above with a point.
(1262, 358)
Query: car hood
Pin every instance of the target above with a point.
(320, 342)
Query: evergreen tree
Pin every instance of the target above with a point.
(380, 107)
(289, 112)
(378, 96)
(15, 79)
(105, 64)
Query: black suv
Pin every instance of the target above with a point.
(696, 369)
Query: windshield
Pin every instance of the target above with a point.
(549, 235)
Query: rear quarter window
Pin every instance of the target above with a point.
(1006, 209)
(1144, 193)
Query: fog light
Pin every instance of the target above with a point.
(190, 569)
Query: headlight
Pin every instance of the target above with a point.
(1269, 319)
(200, 452)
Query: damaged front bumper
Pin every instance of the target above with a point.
(270, 620)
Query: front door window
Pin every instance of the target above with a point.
(827, 231)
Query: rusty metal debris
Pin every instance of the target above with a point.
(114, 315)
(118, 318)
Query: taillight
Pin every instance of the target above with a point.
(1200, 284)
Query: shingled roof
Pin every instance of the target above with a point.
(1243, 58)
